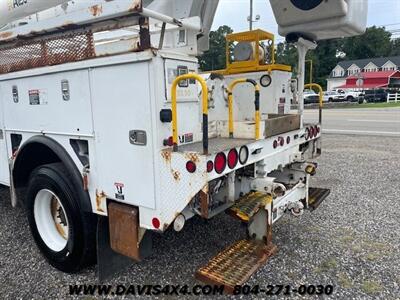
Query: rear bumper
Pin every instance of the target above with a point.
(178, 187)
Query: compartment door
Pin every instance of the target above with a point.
(121, 101)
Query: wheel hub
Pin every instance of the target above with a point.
(51, 220)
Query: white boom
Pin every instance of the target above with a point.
(14, 10)
(26, 16)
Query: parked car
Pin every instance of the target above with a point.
(376, 95)
(340, 96)
(310, 97)
(332, 96)
(352, 96)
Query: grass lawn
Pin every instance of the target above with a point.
(375, 105)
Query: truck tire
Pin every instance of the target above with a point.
(62, 231)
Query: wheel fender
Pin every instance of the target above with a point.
(18, 173)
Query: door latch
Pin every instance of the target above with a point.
(138, 137)
(65, 90)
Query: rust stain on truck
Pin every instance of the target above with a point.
(194, 157)
(166, 155)
(96, 10)
(136, 6)
(176, 174)
(100, 198)
(5, 35)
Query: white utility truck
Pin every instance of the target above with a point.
(108, 134)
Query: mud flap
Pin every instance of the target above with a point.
(109, 262)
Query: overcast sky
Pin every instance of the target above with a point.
(234, 13)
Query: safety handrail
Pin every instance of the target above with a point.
(174, 109)
(321, 97)
(256, 104)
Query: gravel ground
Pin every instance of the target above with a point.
(352, 241)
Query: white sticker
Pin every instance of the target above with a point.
(37, 97)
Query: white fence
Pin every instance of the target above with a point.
(393, 97)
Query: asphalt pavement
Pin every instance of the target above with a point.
(361, 121)
(352, 241)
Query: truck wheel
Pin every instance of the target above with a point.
(64, 234)
(350, 98)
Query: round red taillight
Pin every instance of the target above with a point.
(243, 155)
(220, 162)
(210, 166)
(156, 223)
(315, 130)
(307, 134)
(318, 129)
(288, 140)
(191, 166)
(275, 144)
(281, 141)
(312, 133)
(233, 158)
(169, 142)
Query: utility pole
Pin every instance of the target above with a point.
(251, 15)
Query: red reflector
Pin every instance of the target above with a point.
(275, 144)
(156, 223)
(191, 166)
(281, 141)
(233, 158)
(312, 132)
(169, 142)
(288, 140)
(220, 162)
(316, 130)
(210, 166)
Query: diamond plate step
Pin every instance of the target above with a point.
(248, 205)
(316, 196)
(235, 264)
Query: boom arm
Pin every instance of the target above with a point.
(48, 16)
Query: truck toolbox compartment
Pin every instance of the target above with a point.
(278, 124)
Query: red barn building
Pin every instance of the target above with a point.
(372, 80)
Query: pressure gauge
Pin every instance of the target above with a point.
(265, 80)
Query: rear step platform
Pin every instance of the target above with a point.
(316, 196)
(235, 264)
(248, 205)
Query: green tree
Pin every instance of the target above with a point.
(286, 54)
(324, 59)
(395, 47)
(215, 57)
(375, 42)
